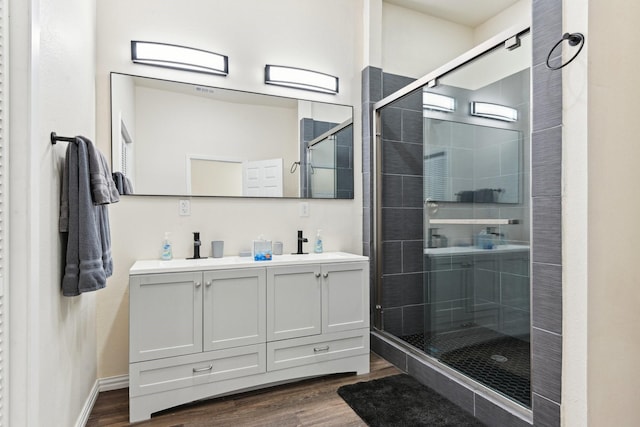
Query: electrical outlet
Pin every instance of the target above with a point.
(303, 209)
(184, 207)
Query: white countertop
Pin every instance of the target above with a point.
(177, 265)
(464, 250)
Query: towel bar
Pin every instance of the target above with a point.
(55, 138)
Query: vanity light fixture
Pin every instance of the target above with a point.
(300, 79)
(435, 101)
(494, 111)
(179, 57)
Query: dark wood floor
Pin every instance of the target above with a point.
(306, 403)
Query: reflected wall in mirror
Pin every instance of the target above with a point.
(173, 138)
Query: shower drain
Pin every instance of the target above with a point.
(499, 358)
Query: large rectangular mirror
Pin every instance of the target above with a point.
(173, 138)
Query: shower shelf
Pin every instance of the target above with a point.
(474, 221)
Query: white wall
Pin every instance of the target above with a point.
(52, 338)
(517, 15)
(324, 35)
(414, 44)
(613, 205)
(575, 241)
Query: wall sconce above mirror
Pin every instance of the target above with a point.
(300, 79)
(179, 57)
(180, 139)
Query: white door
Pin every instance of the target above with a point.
(263, 178)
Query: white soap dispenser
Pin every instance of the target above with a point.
(167, 252)
(317, 248)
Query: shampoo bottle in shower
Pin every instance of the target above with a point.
(167, 252)
(317, 248)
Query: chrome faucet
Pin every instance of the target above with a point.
(301, 240)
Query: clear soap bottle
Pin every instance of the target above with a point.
(167, 252)
(317, 247)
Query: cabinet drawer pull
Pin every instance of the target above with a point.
(325, 275)
(208, 368)
(317, 274)
(208, 283)
(198, 284)
(320, 349)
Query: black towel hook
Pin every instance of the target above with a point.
(55, 138)
(575, 39)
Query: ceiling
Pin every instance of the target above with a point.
(465, 12)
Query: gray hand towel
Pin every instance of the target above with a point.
(88, 257)
(103, 189)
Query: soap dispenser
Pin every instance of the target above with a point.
(167, 252)
(317, 248)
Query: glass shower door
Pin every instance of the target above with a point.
(454, 220)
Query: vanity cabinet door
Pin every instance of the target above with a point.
(294, 301)
(165, 313)
(234, 308)
(345, 297)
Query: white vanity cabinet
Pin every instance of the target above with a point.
(234, 308)
(202, 328)
(305, 300)
(165, 316)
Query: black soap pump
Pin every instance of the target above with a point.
(196, 245)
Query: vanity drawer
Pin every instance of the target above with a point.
(304, 351)
(185, 371)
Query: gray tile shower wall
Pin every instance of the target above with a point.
(371, 93)
(546, 274)
(402, 218)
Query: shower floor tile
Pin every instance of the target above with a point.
(500, 362)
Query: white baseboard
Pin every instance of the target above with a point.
(88, 406)
(113, 383)
(101, 384)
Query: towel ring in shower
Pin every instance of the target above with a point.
(574, 39)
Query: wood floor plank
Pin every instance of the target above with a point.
(312, 402)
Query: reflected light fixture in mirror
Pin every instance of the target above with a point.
(434, 101)
(179, 57)
(494, 111)
(299, 78)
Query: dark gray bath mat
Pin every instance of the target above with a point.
(400, 400)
